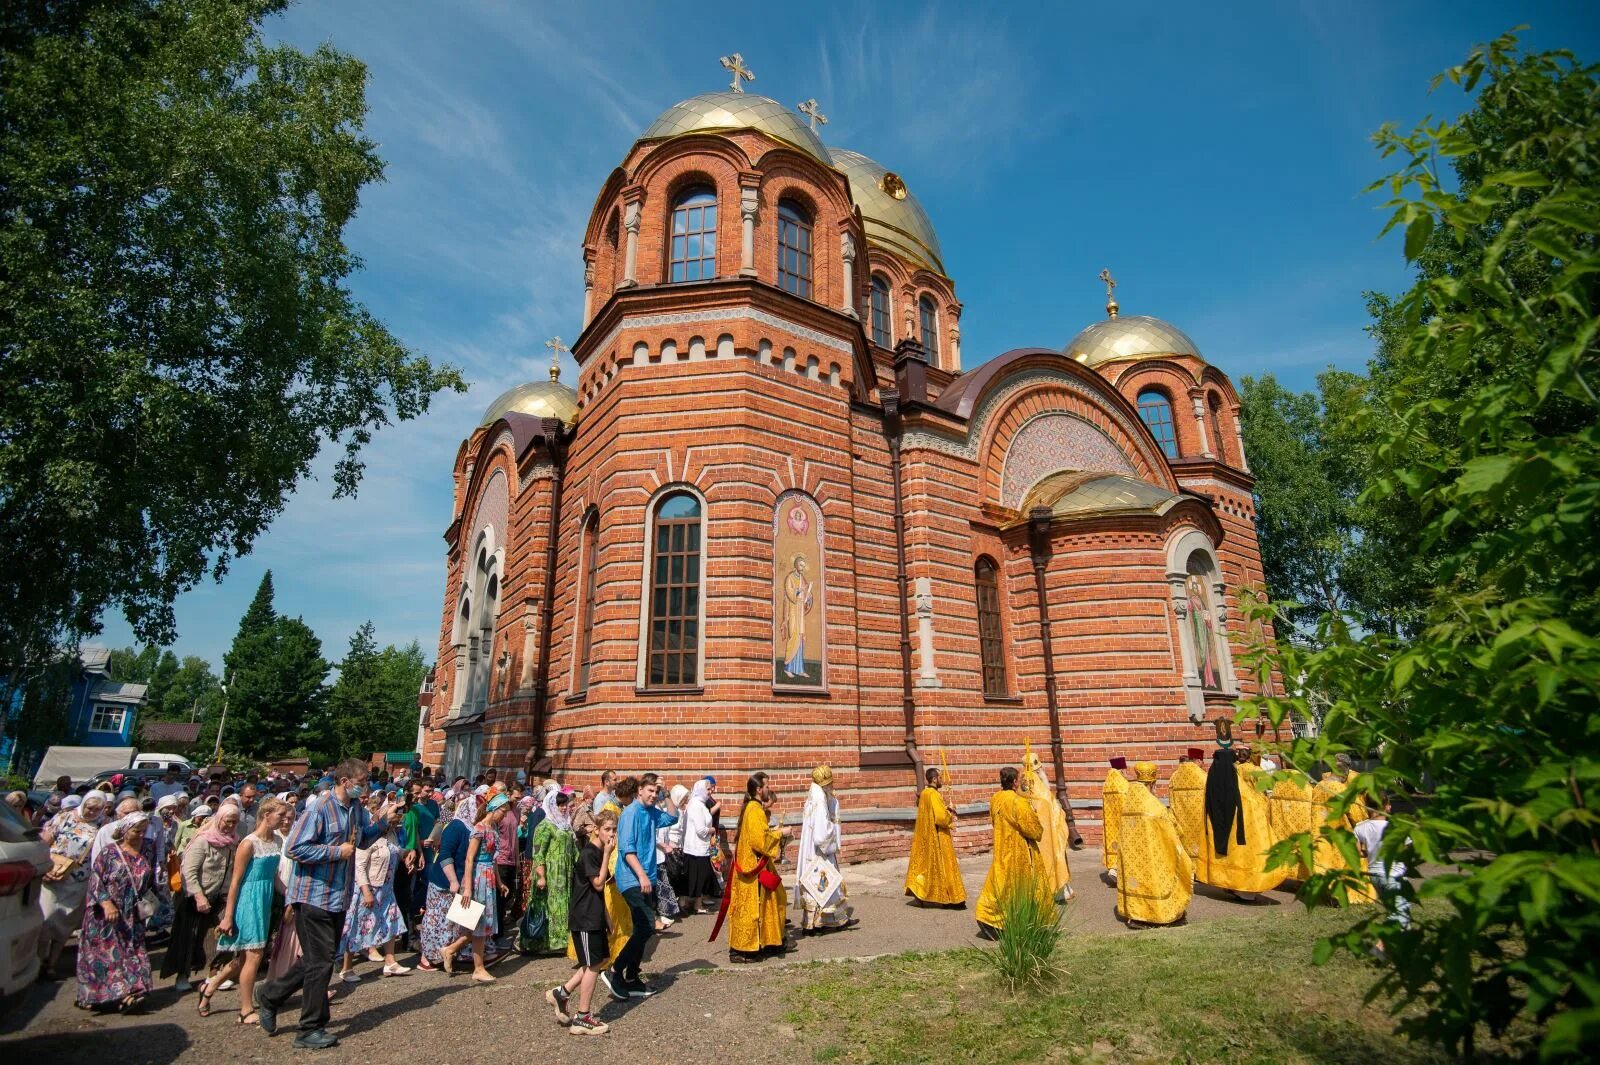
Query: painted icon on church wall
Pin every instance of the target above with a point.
(1203, 630)
(799, 651)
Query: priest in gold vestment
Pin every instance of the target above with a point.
(756, 908)
(1035, 787)
(1154, 875)
(1327, 855)
(1015, 863)
(1289, 811)
(1111, 796)
(1188, 787)
(1238, 832)
(933, 877)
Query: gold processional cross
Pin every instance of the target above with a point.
(556, 348)
(735, 63)
(1111, 299)
(810, 110)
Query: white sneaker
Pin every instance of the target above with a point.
(350, 977)
(226, 985)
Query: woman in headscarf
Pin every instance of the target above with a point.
(699, 830)
(66, 885)
(191, 827)
(374, 922)
(207, 872)
(446, 873)
(113, 967)
(554, 851)
(482, 888)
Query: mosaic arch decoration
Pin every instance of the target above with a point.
(799, 642)
(1051, 442)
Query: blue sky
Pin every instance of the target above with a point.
(1211, 155)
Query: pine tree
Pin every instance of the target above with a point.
(275, 674)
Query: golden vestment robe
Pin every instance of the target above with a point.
(1244, 867)
(1016, 856)
(1154, 875)
(1188, 786)
(1289, 811)
(1111, 815)
(755, 915)
(1327, 856)
(933, 874)
(1034, 787)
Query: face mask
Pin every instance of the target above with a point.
(355, 791)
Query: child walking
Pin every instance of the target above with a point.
(586, 919)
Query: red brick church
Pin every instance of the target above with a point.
(777, 523)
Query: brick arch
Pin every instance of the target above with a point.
(1054, 397)
(691, 160)
(829, 211)
(1056, 441)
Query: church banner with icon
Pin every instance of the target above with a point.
(799, 649)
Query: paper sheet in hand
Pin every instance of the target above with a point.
(821, 881)
(466, 916)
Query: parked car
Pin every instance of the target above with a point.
(99, 763)
(24, 860)
(133, 777)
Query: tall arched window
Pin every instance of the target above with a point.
(673, 655)
(1219, 446)
(991, 642)
(591, 573)
(881, 312)
(1156, 410)
(928, 311)
(694, 236)
(794, 249)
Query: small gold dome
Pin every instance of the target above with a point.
(737, 110)
(894, 219)
(542, 399)
(1128, 337)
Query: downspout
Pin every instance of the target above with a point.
(555, 441)
(1039, 549)
(908, 704)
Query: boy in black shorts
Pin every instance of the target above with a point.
(586, 919)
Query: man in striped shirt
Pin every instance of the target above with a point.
(322, 846)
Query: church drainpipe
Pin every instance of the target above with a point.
(554, 440)
(1039, 548)
(908, 703)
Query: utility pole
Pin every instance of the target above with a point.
(216, 752)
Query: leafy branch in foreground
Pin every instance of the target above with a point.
(1484, 719)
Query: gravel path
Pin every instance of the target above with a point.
(713, 1009)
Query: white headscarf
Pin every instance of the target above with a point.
(560, 816)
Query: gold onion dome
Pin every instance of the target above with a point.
(727, 110)
(541, 399)
(895, 221)
(1129, 337)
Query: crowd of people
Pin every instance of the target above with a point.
(279, 885)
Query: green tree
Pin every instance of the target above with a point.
(179, 339)
(373, 704)
(276, 676)
(1487, 430)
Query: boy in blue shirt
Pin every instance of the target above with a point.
(636, 873)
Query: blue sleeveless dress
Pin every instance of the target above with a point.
(252, 913)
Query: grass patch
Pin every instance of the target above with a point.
(1236, 990)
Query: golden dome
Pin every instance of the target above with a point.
(894, 219)
(737, 110)
(542, 399)
(1128, 337)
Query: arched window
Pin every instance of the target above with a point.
(1219, 445)
(882, 335)
(991, 643)
(694, 236)
(591, 573)
(794, 249)
(613, 230)
(1156, 410)
(928, 311)
(673, 655)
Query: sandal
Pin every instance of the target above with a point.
(250, 1019)
(203, 1004)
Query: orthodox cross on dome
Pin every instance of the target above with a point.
(735, 63)
(810, 109)
(556, 348)
(1111, 299)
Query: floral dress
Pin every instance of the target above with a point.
(484, 884)
(555, 849)
(382, 922)
(112, 962)
(61, 901)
